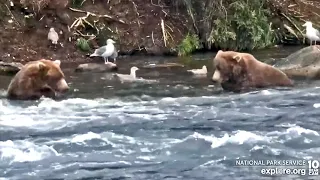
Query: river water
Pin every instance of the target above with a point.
(181, 127)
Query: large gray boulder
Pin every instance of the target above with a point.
(304, 63)
(10, 69)
(95, 67)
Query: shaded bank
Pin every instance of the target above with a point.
(176, 27)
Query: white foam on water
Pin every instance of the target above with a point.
(293, 131)
(256, 147)
(314, 150)
(25, 121)
(146, 158)
(145, 150)
(24, 151)
(212, 162)
(49, 114)
(188, 100)
(273, 151)
(316, 105)
(121, 143)
(85, 137)
(267, 92)
(240, 137)
(297, 130)
(120, 137)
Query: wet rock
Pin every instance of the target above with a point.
(165, 65)
(9, 68)
(304, 63)
(95, 67)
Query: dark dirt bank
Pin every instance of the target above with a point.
(294, 13)
(136, 26)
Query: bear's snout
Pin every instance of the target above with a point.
(216, 76)
(62, 86)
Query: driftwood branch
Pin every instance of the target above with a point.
(292, 23)
(13, 16)
(97, 15)
(91, 36)
(81, 21)
(165, 33)
(291, 30)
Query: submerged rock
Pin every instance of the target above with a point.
(7, 68)
(95, 67)
(304, 63)
(165, 65)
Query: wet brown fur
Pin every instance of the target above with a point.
(242, 71)
(35, 79)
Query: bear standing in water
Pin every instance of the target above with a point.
(36, 79)
(241, 71)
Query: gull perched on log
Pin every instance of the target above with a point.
(311, 33)
(106, 51)
(53, 36)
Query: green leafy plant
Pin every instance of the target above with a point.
(83, 44)
(77, 3)
(231, 24)
(188, 45)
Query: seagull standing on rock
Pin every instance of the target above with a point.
(106, 51)
(311, 33)
(53, 36)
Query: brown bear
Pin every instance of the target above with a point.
(36, 79)
(242, 71)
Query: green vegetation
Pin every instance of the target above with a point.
(231, 24)
(77, 3)
(83, 44)
(188, 45)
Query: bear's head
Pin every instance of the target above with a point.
(230, 68)
(49, 75)
(36, 79)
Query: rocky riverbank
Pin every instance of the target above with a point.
(137, 26)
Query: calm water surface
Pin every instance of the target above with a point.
(181, 127)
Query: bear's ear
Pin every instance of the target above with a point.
(57, 62)
(238, 58)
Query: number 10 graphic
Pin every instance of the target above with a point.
(313, 166)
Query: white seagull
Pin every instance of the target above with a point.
(106, 51)
(128, 77)
(311, 33)
(201, 71)
(53, 36)
(114, 55)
